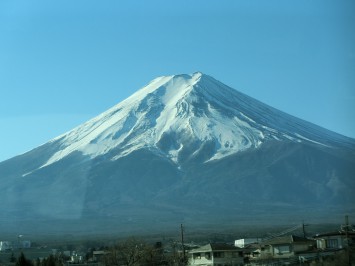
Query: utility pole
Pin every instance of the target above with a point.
(347, 238)
(18, 241)
(304, 229)
(182, 242)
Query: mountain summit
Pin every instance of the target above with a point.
(173, 114)
(187, 148)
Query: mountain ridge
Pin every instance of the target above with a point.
(147, 115)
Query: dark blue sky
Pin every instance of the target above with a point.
(63, 62)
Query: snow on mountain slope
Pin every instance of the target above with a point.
(181, 145)
(173, 113)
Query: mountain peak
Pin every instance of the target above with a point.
(195, 75)
(188, 116)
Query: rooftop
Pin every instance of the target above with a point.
(285, 240)
(215, 247)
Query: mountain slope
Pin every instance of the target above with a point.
(186, 148)
(188, 108)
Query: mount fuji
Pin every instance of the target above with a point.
(184, 148)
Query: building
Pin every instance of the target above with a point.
(242, 243)
(98, 255)
(25, 244)
(5, 245)
(335, 240)
(285, 247)
(217, 255)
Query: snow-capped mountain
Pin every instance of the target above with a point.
(187, 148)
(175, 112)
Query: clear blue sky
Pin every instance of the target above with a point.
(64, 62)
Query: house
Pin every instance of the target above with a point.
(98, 255)
(216, 254)
(5, 245)
(284, 247)
(335, 240)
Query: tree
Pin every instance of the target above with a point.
(22, 261)
(50, 261)
(38, 262)
(129, 253)
(12, 257)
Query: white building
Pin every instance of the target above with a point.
(242, 243)
(216, 254)
(5, 245)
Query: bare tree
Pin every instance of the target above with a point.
(130, 252)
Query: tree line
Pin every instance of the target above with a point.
(128, 252)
